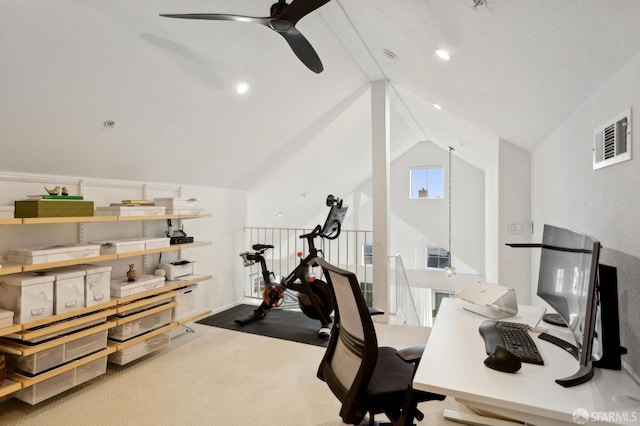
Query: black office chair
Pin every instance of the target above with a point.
(364, 377)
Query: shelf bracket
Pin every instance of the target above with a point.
(81, 225)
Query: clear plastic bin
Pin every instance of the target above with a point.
(140, 326)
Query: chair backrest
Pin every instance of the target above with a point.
(352, 351)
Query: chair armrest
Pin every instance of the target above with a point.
(412, 354)
(375, 311)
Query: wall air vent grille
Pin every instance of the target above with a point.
(612, 141)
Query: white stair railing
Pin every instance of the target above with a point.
(401, 299)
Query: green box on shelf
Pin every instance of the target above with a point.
(54, 208)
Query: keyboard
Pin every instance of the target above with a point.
(512, 336)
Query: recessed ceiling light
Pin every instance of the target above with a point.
(242, 88)
(389, 55)
(438, 107)
(443, 54)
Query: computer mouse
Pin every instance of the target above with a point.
(503, 360)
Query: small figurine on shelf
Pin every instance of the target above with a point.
(65, 191)
(54, 191)
(131, 273)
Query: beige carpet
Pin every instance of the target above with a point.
(211, 377)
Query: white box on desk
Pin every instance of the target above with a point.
(97, 285)
(57, 253)
(7, 212)
(28, 294)
(120, 245)
(68, 289)
(154, 243)
(130, 211)
(121, 287)
(6, 318)
(173, 271)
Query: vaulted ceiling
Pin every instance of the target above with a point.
(519, 68)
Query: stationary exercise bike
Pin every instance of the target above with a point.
(314, 296)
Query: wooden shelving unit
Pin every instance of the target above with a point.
(96, 318)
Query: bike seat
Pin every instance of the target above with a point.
(259, 247)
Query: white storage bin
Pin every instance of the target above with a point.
(47, 388)
(68, 294)
(97, 285)
(122, 287)
(57, 253)
(7, 212)
(179, 205)
(173, 271)
(6, 318)
(130, 211)
(121, 245)
(85, 345)
(154, 243)
(91, 370)
(37, 362)
(141, 349)
(140, 326)
(57, 355)
(65, 331)
(186, 298)
(28, 294)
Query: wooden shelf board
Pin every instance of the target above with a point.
(143, 314)
(29, 332)
(39, 266)
(195, 317)
(134, 297)
(194, 215)
(10, 268)
(80, 219)
(118, 346)
(90, 219)
(145, 301)
(9, 386)
(186, 280)
(24, 350)
(147, 217)
(11, 329)
(30, 381)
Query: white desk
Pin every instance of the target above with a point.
(452, 364)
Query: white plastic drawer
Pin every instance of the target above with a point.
(47, 388)
(140, 326)
(37, 362)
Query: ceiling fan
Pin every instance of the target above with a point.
(283, 18)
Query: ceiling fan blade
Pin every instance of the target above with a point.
(298, 9)
(219, 17)
(303, 49)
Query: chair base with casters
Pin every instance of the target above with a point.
(367, 379)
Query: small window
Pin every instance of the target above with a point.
(367, 254)
(427, 182)
(437, 257)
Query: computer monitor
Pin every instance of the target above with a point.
(568, 282)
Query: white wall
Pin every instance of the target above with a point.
(224, 229)
(514, 216)
(604, 203)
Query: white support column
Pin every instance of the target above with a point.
(380, 141)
